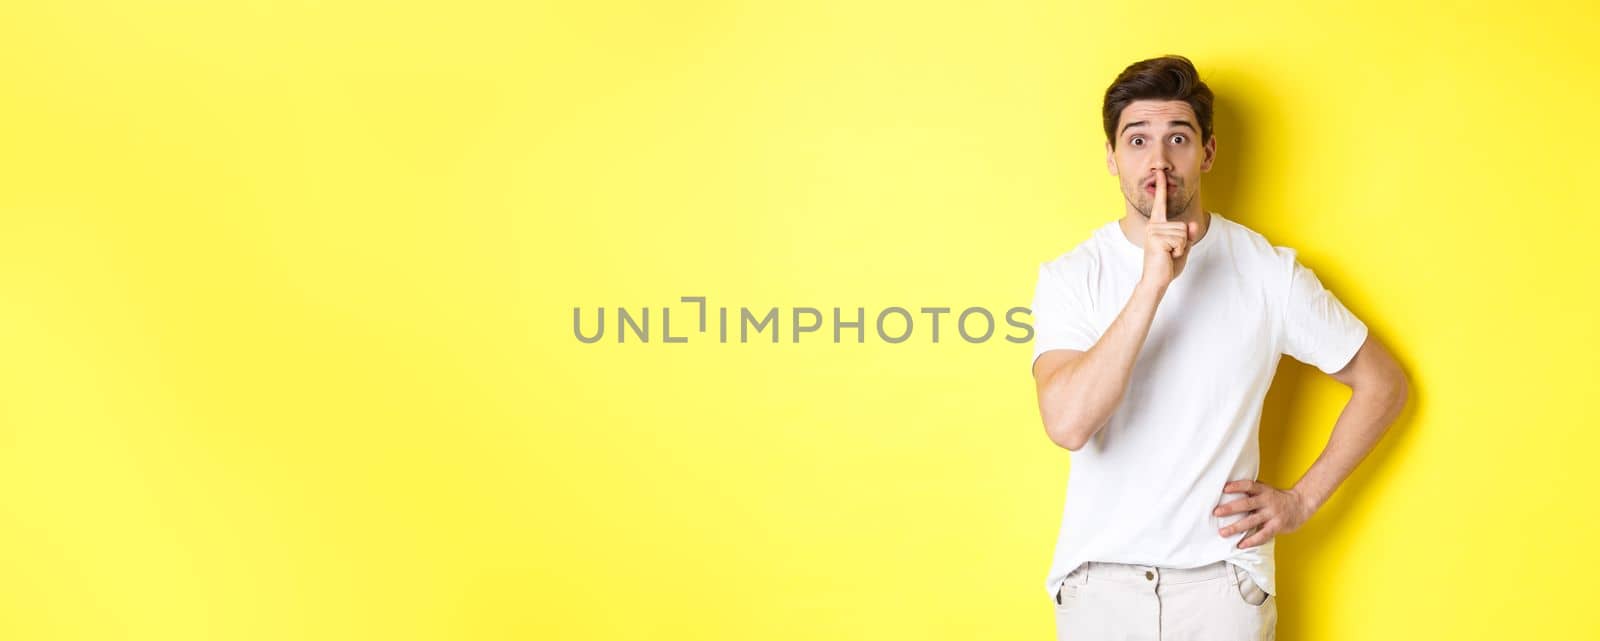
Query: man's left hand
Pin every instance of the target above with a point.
(1275, 511)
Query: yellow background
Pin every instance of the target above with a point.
(286, 295)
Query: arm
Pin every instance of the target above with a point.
(1078, 390)
(1379, 394)
(1379, 391)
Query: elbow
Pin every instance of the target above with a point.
(1383, 385)
(1390, 393)
(1397, 386)
(1066, 436)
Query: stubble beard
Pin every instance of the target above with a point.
(1171, 208)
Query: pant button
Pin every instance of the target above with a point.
(1149, 575)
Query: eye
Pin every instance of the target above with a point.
(1179, 138)
(1135, 140)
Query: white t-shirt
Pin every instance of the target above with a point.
(1142, 490)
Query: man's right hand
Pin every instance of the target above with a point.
(1079, 390)
(1166, 243)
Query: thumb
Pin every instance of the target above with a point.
(1193, 229)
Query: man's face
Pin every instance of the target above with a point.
(1164, 135)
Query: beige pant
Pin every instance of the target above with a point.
(1123, 602)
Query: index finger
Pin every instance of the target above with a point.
(1158, 211)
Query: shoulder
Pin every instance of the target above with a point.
(1244, 239)
(1080, 262)
(1278, 269)
(1255, 248)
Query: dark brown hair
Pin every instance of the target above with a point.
(1169, 77)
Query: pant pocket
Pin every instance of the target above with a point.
(1248, 590)
(1068, 592)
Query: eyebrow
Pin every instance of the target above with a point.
(1170, 123)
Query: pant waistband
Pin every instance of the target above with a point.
(1147, 574)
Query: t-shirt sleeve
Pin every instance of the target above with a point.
(1317, 329)
(1061, 315)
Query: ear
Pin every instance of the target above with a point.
(1211, 154)
(1111, 161)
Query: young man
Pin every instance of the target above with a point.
(1156, 340)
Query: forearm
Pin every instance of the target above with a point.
(1362, 423)
(1081, 396)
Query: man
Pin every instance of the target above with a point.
(1156, 340)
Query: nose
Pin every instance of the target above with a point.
(1161, 164)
